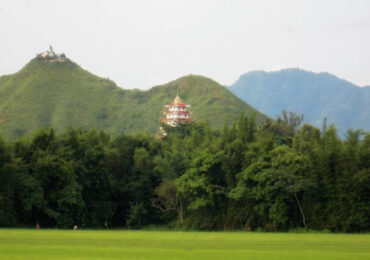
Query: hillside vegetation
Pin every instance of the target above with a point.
(64, 95)
(272, 178)
(316, 95)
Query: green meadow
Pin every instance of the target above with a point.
(68, 244)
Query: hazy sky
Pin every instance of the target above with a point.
(139, 44)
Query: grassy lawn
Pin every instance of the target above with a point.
(68, 244)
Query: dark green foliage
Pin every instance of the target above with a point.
(7, 187)
(315, 95)
(273, 177)
(62, 95)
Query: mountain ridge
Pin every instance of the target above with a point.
(316, 95)
(63, 94)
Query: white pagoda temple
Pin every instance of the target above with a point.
(50, 56)
(177, 112)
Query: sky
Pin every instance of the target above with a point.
(143, 43)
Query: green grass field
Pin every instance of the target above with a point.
(68, 244)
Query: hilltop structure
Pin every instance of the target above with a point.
(51, 56)
(177, 112)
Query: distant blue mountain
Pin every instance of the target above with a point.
(316, 95)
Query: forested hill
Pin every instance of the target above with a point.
(62, 95)
(316, 95)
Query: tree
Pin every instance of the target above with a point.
(288, 125)
(201, 186)
(167, 200)
(136, 214)
(7, 187)
(291, 169)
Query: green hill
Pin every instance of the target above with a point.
(62, 95)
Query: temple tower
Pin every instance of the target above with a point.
(176, 113)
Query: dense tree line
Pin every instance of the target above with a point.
(274, 176)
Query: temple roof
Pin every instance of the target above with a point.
(178, 100)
